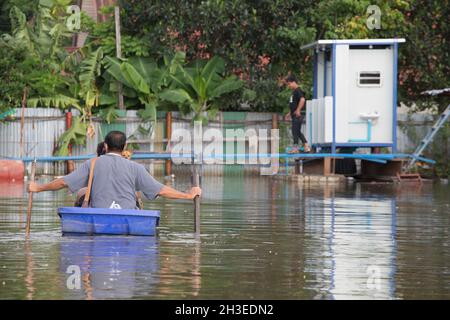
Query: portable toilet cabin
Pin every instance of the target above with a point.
(354, 94)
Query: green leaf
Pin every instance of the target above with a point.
(76, 135)
(133, 77)
(200, 87)
(179, 82)
(46, 3)
(109, 114)
(178, 96)
(213, 69)
(56, 101)
(228, 85)
(90, 70)
(113, 68)
(144, 66)
(212, 113)
(106, 99)
(149, 113)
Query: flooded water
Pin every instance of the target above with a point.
(260, 239)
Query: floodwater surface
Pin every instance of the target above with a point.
(261, 238)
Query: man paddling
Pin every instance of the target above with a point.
(115, 180)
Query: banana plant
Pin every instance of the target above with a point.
(199, 86)
(146, 78)
(41, 39)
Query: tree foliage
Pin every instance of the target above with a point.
(260, 40)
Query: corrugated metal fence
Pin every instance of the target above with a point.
(42, 128)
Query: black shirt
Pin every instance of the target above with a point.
(297, 94)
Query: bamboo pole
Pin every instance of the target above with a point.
(119, 53)
(196, 200)
(30, 199)
(69, 163)
(22, 120)
(168, 136)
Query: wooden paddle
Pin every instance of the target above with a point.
(30, 199)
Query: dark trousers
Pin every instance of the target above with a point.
(297, 130)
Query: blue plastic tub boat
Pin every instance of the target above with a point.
(109, 221)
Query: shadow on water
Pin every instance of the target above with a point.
(261, 239)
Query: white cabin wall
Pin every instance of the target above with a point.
(370, 99)
(320, 66)
(342, 93)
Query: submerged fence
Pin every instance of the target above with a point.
(38, 136)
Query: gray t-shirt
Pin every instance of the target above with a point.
(115, 182)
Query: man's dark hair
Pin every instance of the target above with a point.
(116, 141)
(291, 78)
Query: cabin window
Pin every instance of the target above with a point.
(369, 79)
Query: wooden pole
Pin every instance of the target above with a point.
(69, 163)
(22, 120)
(196, 200)
(168, 136)
(30, 199)
(274, 121)
(196, 142)
(119, 53)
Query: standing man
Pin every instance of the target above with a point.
(115, 180)
(296, 104)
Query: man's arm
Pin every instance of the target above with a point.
(170, 193)
(56, 184)
(287, 116)
(300, 106)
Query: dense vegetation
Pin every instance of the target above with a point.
(168, 45)
(260, 39)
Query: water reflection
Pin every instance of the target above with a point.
(11, 189)
(351, 242)
(111, 266)
(261, 239)
(361, 246)
(29, 278)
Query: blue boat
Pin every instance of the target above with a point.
(108, 221)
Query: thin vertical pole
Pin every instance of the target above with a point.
(22, 120)
(394, 98)
(168, 137)
(69, 163)
(119, 53)
(196, 200)
(30, 199)
(197, 157)
(333, 93)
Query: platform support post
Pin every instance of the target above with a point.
(168, 166)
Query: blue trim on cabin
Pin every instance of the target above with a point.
(315, 76)
(394, 99)
(369, 131)
(333, 93)
(354, 144)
